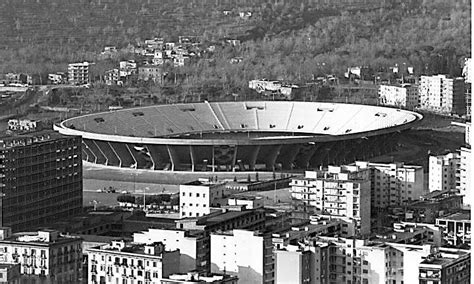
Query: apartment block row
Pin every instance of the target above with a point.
(340, 260)
(452, 171)
(346, 191)
(437, 93)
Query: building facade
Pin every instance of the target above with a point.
(394, 184)
(443, 171)
(196, 198)
(44, 256)
(121, 262)
(446, 266)
(245, 254)
(293, 265)
(405, 96)
(335, 260)
(465, 168)
(193, 246)
(23, 124)
(339, 191)
(442, 94)
(151, 73)
(78, 73)
(456, 228)
(41, 179)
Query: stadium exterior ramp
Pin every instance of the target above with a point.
(238, 136)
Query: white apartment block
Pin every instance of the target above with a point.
(22, 124)
(78, 73)
(245, 254)
(465, 175)
(196, 198)
(44, 256)
(193, 247)
(360, 261)
(467, 70)
(121, 262)
(394, 184)
(443, 171)
(340, 191)
(405, 96)
(127, 68)
(442, 94)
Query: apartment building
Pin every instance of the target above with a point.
(127, 68)
(44, 256)
(245, 254)
(23, 124)
(465, 168)
(431, 206)
(334, 260)
(338, 191)
(293, 265)
(445, 266)
(121, 262)
(465, 171)
(112, 77)
(393, 184)
(197, 197)
(456, 227)
(41, 179)
(441, 94)
(151, 73)
(193, 246)
(405, 95)
(443, 170)
(79, 73)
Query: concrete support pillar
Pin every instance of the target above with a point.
(116, 154)
(173, 157)
(270, 160)
(193, 158)
(287, 155)
(253, 157)
(307, 158)
(151, 157)
(234, 159)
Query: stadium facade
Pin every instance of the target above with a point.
(238, 136)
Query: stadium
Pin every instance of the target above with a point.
(238, 136)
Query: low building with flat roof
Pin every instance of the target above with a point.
(456, 227)
(445, 266)
(232, 217)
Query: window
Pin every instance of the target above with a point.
(197, 194)
(184, 193)
(190, 194)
